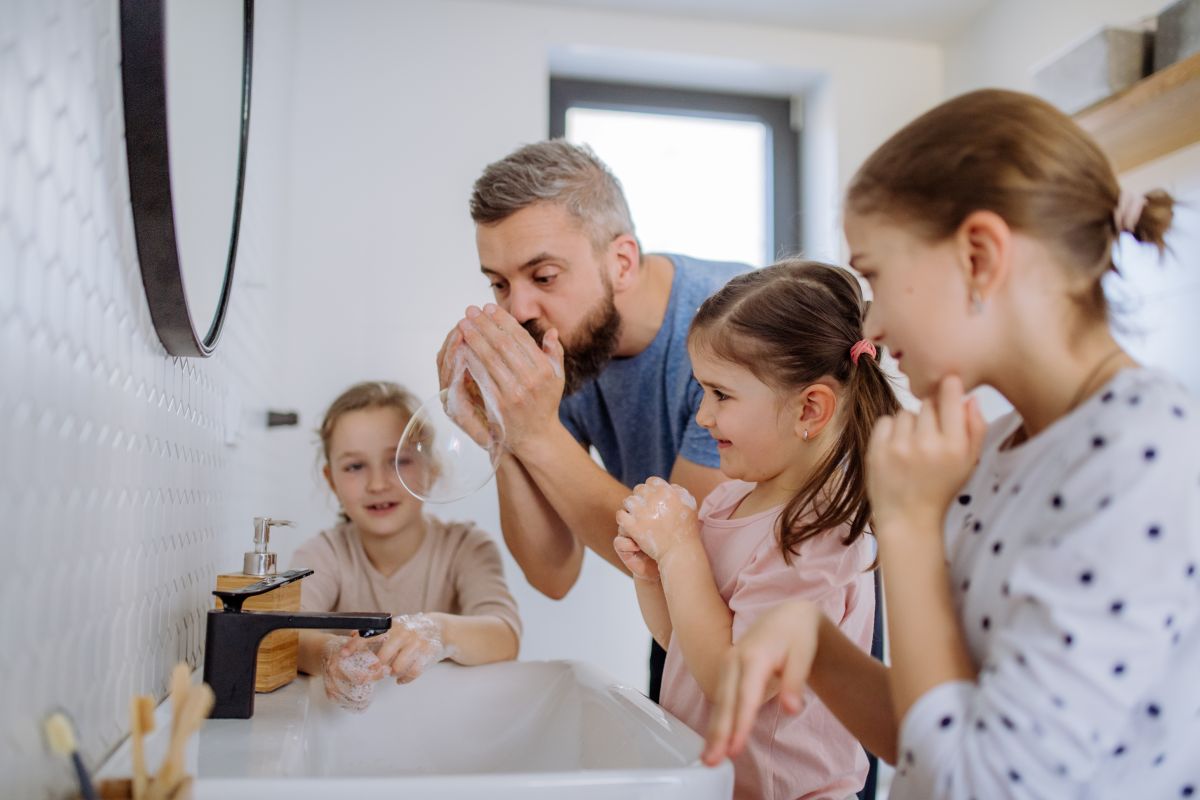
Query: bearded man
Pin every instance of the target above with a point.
(585, 346)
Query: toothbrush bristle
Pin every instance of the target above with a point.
(59, 734)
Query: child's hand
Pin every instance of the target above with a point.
(414, 643)
(658, 516)
(640, 565)
(775, 654)
(349, 670)
(916, 463)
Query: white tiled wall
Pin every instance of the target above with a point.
(120, 498)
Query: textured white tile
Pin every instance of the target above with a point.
(117, 491)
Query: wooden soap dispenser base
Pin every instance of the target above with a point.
(279, 649)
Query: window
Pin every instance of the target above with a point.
(706, 174)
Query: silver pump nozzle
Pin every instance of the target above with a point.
(261, 561)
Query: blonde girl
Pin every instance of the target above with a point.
(443, 581)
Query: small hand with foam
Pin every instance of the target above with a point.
(640, 565)
(350, 670)
(656, 518)
(414, 643)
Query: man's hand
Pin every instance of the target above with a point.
(526, 380)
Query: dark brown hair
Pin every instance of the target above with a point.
(793, 324)
(1020, 158)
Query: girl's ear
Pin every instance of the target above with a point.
(984, 242)
(815, 407)
(328, 473)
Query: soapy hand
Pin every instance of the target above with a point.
(414, 643)
(524, 381)
(350, 670)
(657, 517)
(640, 565)
(465, 400)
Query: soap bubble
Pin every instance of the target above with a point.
(436, 460)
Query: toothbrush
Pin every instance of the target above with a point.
(61, 737)
(141, 719)
(194, 709)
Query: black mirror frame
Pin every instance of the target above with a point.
(143, 85)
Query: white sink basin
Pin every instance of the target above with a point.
(518, 730)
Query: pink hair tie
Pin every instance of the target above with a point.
(860, 347)
(1128, 212)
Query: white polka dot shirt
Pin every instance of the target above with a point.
(1075, 564)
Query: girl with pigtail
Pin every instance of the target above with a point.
(791, 392)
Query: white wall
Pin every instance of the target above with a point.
(119, 496)
(1154, 301)
(1011, 38)
(396, 108)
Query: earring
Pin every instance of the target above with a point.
(806, 434)
(976, 302)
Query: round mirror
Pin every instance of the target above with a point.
(186, 83)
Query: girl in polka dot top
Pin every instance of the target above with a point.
(1047, 643)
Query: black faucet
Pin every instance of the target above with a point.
(233, 635)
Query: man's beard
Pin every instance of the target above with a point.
(598, 335)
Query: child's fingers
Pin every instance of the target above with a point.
(976, 427)
(755, 673)
(927, 427)
(625, 544)
(793, 680)
(881, 434)
(397, 638)
(352, 644)
(408, 664)
(626, 549)
(720, 725)
(902, 430)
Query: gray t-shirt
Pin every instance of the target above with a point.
(640, 412)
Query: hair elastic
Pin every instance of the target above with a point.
(860, 347)
(1128, 211)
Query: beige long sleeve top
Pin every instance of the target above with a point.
(456, 570)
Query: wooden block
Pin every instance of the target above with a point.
(279, 650)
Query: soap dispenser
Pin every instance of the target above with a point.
(279, 649)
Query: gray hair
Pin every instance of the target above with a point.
(554, 171)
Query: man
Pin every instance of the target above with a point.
(585, 345)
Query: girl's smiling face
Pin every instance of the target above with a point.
(362, 471)
(756, 436)
(920, 308)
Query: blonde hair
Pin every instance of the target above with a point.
(1019, 157)
(368, 394)
(554, 171)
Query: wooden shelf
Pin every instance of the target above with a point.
(1156, 116)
